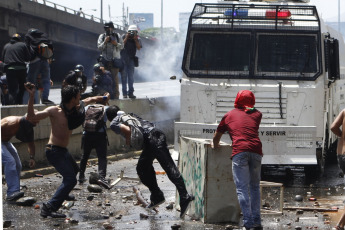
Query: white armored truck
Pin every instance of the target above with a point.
(284, 53)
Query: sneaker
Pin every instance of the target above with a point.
(46, 101)
(46, 211)
(15, 196)
(102, 182)
(82, 178)
(184, 204)
(258, 228)
(132, 96)
(125, 96)
(156, 201)
(70, 197)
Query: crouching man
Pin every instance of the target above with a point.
(154, 147)
(22, 129)
(65, 117)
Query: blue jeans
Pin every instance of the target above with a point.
(64, 163)
(246, 169)
(127, 75)
(12, 167)
(40, 67)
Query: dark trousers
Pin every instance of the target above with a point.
(155, 147)
(15, 81)
(64, 163)
(99, 142)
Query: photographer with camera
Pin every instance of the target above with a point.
(76, 78)
(110, 44)
(102, 81)
(132, 43)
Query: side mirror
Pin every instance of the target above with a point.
(332, 58)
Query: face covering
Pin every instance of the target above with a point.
(245, 99)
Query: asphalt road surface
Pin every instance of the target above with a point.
(118, 207)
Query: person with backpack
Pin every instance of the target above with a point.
(152, 141)
(39, 63)
(110, 44)
(102, 81)
(64, 118)
(15, 55)
(95, 137)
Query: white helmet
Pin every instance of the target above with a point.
(132, 27)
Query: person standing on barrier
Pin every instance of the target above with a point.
(110, 44)
(15, 55)
(132, 43)
(242, 123)
(154, 147)
(69, 115)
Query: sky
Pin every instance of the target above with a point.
(171, 8)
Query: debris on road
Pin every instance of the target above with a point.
(141, 199)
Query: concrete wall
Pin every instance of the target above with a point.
(162, 111)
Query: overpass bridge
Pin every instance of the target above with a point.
(74, 37)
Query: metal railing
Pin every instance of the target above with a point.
(75, 12)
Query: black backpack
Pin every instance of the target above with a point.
(94, 118)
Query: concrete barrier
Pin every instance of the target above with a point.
(208, 176)
(162, 111)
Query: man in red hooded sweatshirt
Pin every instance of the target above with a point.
(242, 123)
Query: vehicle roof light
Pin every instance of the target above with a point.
(238, 13)
(281, 14)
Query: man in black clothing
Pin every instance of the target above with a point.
(15, 54)
(76, 78)
(95, 139)
(155, 147)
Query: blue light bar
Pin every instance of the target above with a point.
(238, 13)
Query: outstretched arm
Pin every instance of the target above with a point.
(97, 99)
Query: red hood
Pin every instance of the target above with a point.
(245, 99)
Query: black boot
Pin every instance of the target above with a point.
(82, 178)
(184, 204)
(46, 210)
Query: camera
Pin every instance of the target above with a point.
(98, 78)
(131, 34)
(110, 34)
(29, 85)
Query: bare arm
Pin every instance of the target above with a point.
(335, 127)
(216, 139)
(32, 116)
(97, 99)
(126, 131)
(31, 150)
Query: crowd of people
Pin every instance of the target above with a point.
(28, 59)
(26, 65)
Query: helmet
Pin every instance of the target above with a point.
(79, 68)
(97, 67)
(109, 24)
(132, 27)
(16, 37)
